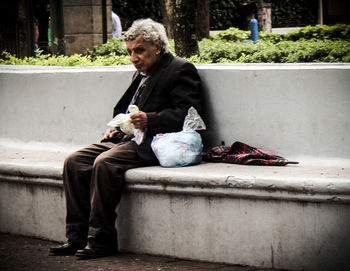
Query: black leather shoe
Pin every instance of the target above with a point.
(66, 249)
(92, 253)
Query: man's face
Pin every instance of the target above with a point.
(143, 54)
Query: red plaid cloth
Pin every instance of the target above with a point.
(240, 153)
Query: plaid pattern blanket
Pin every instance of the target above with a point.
(241, 153)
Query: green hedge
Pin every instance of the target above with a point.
(74, 60)
(267, 52)
(235, 34)
(308, 44)
(319, 32)
(112, 46)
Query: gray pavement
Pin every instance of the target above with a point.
(26, 253)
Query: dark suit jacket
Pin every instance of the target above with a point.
(172, 88)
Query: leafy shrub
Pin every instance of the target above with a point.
(321, 32)
(111, 46)
(232, 34)
(73, 60)
(220, 51)
(331, 45)
(235, 34)
(267, 52)
(271, 37)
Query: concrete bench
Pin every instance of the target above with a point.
(294, 217)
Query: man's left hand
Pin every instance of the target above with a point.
(139, 120)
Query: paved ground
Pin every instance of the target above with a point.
(31, 254)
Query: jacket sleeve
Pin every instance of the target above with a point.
(182, 89)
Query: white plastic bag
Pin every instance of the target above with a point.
(182, 148)
(123, 121)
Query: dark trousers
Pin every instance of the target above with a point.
(93, 178)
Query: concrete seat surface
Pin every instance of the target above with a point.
(291, 182)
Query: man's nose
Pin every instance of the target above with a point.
(133, 57)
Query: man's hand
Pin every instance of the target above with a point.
(139, 120)
(110, 133)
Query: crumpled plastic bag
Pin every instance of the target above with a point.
(193, 121)
(123, 121)
(182, 148)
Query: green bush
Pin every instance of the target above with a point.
(232, 34)
(267, 52)
(318, 32)
(111, 46)
(321, 32)
(73, 60)
(271, 37)
(312, 44)
(235, 34)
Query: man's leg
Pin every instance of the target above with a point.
(106, 187)
(76, 179)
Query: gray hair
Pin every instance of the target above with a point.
(151, 31)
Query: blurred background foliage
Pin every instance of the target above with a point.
(224, 14)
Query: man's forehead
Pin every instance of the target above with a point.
(139, 41)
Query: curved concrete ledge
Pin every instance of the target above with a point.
(220, 66)
(284, 183)
(62, 69)
(291, 183)
(31, 174)
(274, 66)
(239, 193)
(31, 170)
(42, 181)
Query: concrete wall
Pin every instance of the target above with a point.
(32, 209)
(270, 234)
(296, 110)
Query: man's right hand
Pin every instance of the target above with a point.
(110, 133)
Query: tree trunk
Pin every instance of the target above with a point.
(186, 44)
(23, 31)
(168, 16)
(203, 19)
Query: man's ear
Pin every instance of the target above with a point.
(159, 47)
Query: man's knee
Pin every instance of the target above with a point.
(72, 160)
(100, 161)
(107, 164)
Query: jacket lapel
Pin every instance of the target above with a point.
(124, 101)
(153, 79)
